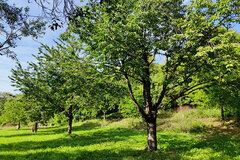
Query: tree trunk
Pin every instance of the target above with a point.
(104, 116)
(222, 113)
(238, 116)
(18, 126)
(150, 110)
(152, 135)
(174, 104)
(36, 127)
(70, 118)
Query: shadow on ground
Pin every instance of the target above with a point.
(171, 145)
(55, 130)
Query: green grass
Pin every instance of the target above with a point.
(126, 139)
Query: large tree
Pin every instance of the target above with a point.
(126, 37)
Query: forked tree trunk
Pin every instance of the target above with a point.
(35, 127)
(18, 126)
(70, 118)
(152, 135)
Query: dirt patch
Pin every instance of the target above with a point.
(9, 125)
(216, 126)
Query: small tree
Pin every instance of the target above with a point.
(3, 98)
(54, 80)
(14, 111)
(60, 79)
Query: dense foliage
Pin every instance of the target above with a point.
(126, 36)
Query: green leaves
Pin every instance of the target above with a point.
(15, 24)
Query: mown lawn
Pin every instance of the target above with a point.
(92, 140)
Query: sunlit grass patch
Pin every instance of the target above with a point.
(121, 139)
(190, 120)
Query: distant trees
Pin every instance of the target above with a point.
(14, 111)
(55, 80)
(223, 90)
(18, 109)
(3, 98)
(64, 81)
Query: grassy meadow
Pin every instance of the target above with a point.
(191, 134)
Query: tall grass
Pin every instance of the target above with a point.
(189, 120)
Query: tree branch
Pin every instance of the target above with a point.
(164, 88)
(143, 114)
(154, 57)
(183, 93)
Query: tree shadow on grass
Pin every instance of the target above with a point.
(55, 130)
(90, 138)
(218, 144)
(171, 145)
(224, 144)
(105, 154)
(222, 140)
(85, 126)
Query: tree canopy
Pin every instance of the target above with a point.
(127, 35)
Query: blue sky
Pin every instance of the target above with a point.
(27, 46)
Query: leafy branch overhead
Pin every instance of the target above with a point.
(16, 23)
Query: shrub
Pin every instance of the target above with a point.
(59, 119)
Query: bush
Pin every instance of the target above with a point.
(115, 115)
(59, 119)
(128, 109)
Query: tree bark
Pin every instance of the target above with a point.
(35, 127)
(222, 113)
(70, 118)
(152, 135)
(104, 116)
(18, 126)
(150, 110)
(238, 115)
